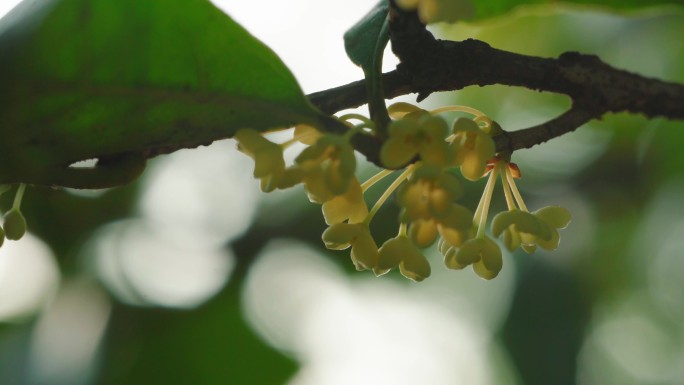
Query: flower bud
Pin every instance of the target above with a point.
(14, 225)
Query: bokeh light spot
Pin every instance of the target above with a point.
(29, 277)
(142, 266)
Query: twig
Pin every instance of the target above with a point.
(430, 65)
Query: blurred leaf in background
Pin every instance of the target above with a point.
(569, 307)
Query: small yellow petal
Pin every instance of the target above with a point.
(364, 252)
(400, 109)
(551, 244)
(290, 177)
(443, 246)
(306, 134)
(440, 202)
(491, 255)
(473, 167)
(316, 188)
(529, 249)
(423, 232)
(268, 160)
(469, 252)
(454, 237)
(392, 252)
(481, 270)
(555, 216)
(396, 153)
(348, 206)
(450, 260)
(511, 239)
(340, 235)
(415, 266)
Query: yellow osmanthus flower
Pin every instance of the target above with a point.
(520, 227)
(268, 157)
(399, 251)
(327, 167)
(348, 206)
(453, 227)
(529, 230)
(482, 252)
(416, 134)
(429, 192)
(473, 148)
(428, 206)
(556, 218)
(364, 251)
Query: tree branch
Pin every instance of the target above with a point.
(429, 65)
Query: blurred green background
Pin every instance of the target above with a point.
(192, 276)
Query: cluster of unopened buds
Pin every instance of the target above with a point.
(14, 223)
(427, 189)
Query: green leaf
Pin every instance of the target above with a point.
(485, 9)
(98, 78)
(211, 345)
(369, 36)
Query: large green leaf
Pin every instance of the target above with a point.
(86, 79)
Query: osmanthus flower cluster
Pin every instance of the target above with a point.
(431, 152)
(14, 224)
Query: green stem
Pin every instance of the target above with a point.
(516, 193)
(374, 179)
(403, 230)
(352, 131)
(507, 190)
(469, 110)
(17, 198)
(376, 95)
(350, 116)
(478, 210)
(489, 191)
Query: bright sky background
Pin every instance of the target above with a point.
(310, 41)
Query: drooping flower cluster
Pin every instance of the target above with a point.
(427, 191)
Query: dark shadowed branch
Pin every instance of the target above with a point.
(430, 65)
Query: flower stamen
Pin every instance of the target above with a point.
(383, 198)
